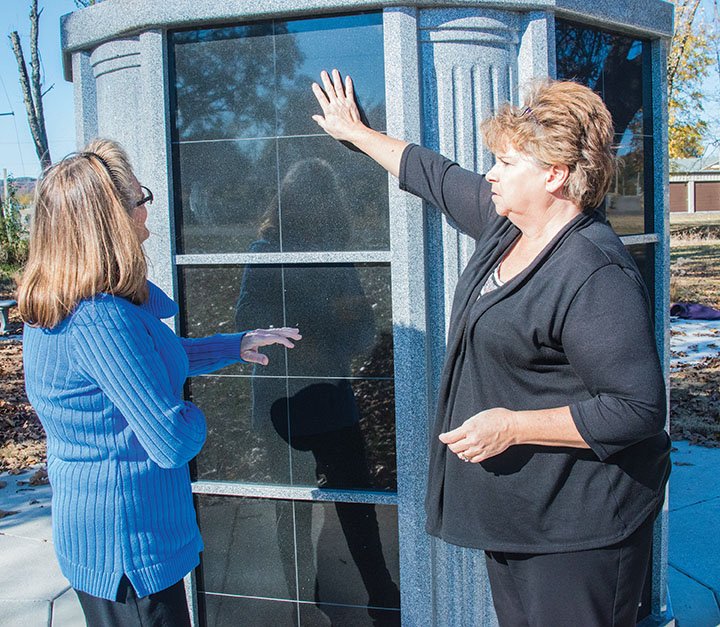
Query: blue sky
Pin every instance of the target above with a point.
(17, 152)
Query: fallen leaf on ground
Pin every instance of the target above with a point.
(40, 477)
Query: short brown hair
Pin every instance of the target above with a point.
(82, 239)
(561, 123)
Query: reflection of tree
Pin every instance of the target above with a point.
(225, 82)
(246, 82)
(606, 63)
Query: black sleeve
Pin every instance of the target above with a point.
(608, 340)
(464, 196)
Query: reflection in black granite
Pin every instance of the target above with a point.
(608, 63)
(615, 66)
(625, 201)
(357, 218)
(223, 190)
(242, 118)
(323, 555)
(644, 256)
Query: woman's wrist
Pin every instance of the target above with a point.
(514, 426)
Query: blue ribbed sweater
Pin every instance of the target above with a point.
(107, 385)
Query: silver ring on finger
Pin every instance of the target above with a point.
(463, 457)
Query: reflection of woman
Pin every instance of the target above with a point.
(105, 376)
(315, 409)
(330, 301)
(552, 388)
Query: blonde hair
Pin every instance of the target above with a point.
(561, 123)
(82, 239)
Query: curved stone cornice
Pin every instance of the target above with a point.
(87, 28)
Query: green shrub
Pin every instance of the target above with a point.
(13, 230)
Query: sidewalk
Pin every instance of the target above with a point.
(694, 573)
(33, 592)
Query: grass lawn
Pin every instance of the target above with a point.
(695, 258)
(695, 271)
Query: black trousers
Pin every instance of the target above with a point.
(167, 608)
(593, 588)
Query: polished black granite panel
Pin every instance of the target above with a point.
(609, 63)
(223, 192)
(225, 83)
(644, 256)
(327, 433)
(625, 201)
(344, 312)
(340, 559)
(232, 611)
(241, 444)
(353, 44)
(331, 198)
(249, 547)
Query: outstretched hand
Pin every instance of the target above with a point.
(341, 116)
(253, 340)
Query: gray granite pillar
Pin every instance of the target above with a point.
(152, 163)
(661, 225)
(412, 410)
(127, 97)
(116, 68)
(85, 99)
(469, 66)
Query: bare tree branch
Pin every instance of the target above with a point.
(35, 79)
(31, 86)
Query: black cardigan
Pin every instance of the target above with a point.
(574, 329)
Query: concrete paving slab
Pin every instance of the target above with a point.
(694, 605)
(695, 543)
(32, 504)
(66, 611)
(32, 613)
(694, 477)
(29, 570)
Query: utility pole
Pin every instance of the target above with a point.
(5, 183)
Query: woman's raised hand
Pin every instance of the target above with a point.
(341, 117)
(253, 340)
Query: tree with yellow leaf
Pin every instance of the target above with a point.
(693, 55)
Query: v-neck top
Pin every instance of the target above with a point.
(572, 329)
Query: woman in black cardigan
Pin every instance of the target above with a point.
(551, 453)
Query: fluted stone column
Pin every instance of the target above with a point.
(116, 68)
(469, 67)
(129, 95)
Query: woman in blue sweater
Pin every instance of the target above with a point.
(106, 376)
